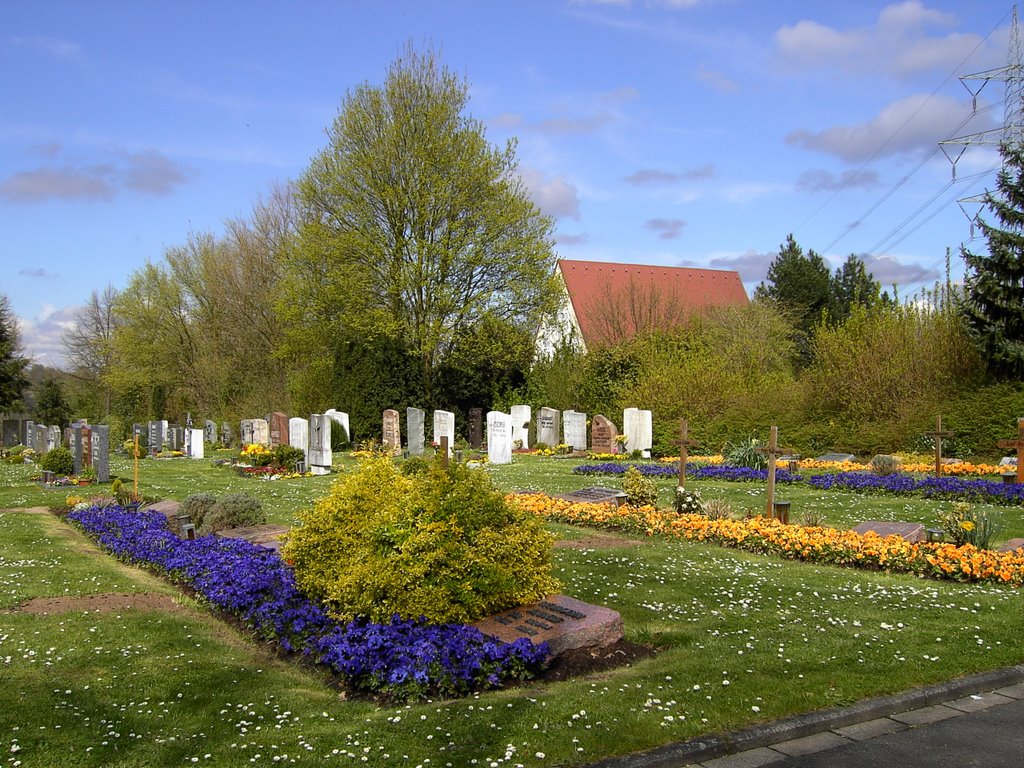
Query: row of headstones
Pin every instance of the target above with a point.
(89, 445)
(27, 432)
(312, 436)
(504, 430)
(160, 435)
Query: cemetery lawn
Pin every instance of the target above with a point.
(741, 638)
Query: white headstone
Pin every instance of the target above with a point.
(261, 431)
(341, 418)
(637, 426)
(499, 437)
(574, 430)
(53, 438)
(521, 415)
(444, 426)
(320, 455)
(197, 447)
(547, 427)
(245, 431)
(414, 421)
(298, 435)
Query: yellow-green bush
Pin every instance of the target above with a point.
(443, 545)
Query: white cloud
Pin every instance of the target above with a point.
(908, 125)
(888, 270)
(752, 266)
(42, 336)
(901, 43)
(667, 229)
(556, 196)
(657, 176)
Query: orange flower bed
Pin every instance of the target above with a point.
(810, 543)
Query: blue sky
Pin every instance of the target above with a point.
(669, 132)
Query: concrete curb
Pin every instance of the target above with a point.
(717, 745)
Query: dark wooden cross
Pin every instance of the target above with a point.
(937, 436)
(684, 445)
(135, 470)
(444, 451)
(1017, 444)
(772, 451)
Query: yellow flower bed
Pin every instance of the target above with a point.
(811, 543)
(964, 468)
(250, 450)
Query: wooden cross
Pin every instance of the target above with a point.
(937, 436)
(772, 451)
(1018, 444)
(684, 445)
(135, 473)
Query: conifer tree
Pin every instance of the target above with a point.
(12, 364)
(994, 282)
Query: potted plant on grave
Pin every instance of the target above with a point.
(87, 476)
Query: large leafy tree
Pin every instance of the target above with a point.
(415, 227)
(51, 405)
(12, 364)
(994, 282)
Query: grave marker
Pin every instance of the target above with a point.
(684, 446)
(320, 455)
(53, 436)
(1017, 444)
(602, 435)
(414, 421)
(210, 432)
(547, 427)
(638, 427)
(100, 452)
(278, 429)
(298, 436)
(392, 431)
(499, 437)
(521, 415)
(444, 427)
(261, 431)
(225, 435)
(39, 443)
(772, 451)
(563, 622)
(574, 430)
(836, 457)
(476, 429)
(937, 436)
(912, 532)
(30, 434)
(197, 447)
(341, 419)
(12, 432)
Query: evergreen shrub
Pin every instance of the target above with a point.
(59, 461)
(443, 545)
(640, 490)
(233, 510)
(197, 506)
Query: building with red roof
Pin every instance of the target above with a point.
(607, 302)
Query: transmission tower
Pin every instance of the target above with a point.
(1012, 131)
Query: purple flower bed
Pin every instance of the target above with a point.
(405, 658)
(954, 488)
(696, 471)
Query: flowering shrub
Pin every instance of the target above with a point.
(796, 542)
(687, 501)
(640, 490)
(404, 659)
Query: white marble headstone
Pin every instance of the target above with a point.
(547, 427)
(444, 426)
(521, 415)
(342, 419)
(261, 431)
(298, 435)
(499, 437)
(574, 430)
(197, 445)
(320, 455)
(637, 426)
(415, 418)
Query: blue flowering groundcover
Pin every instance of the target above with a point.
(404, 659)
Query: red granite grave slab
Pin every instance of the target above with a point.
(268, 536)
(912, 532)
(1011, 545)
(564, 622)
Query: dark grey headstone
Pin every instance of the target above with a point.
(476, 428)
(225, 434)
(12, 432)
(210, 431)
(912, 532)
(39, 443)
(30, 434)
(78, 438)
(176, 441)
(835, 457)
(101, 452)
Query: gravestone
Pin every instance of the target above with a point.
(81, 448)
(30, 434)
(298, 435)
(602, 435)
(444, 426)
(39, 444)
(574, 430)
(278, 429)
(521, 415)
(155, 436)
(414, 420)
(499, 437)
(593, 495)
(912, 532)
(563, 622)
(319, 454)
(340, 418)
(476, 428)
(638, 427)
(12, 432)
(210, 432)
(101, 452)
(836, 457)
(261, 431)
(176, 438)
(197, 446)
(225, 435)
(53, 436)
(392, 431)
(547, 427)
(245, 431)
(1008, 461)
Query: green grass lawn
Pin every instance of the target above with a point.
(741, 638)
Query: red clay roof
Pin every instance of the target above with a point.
(592, 284)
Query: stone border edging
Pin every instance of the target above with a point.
(703, 748)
